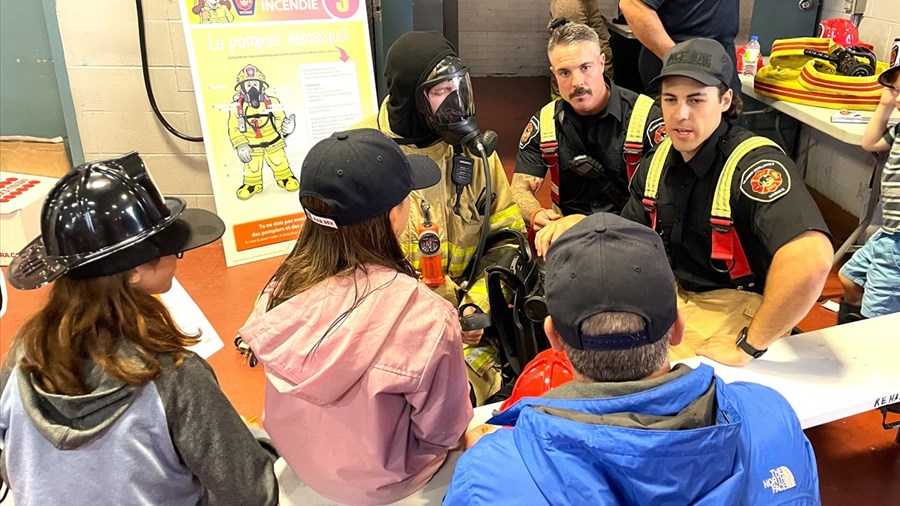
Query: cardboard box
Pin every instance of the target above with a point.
(21, 199)
(34, 155)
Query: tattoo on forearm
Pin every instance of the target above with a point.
(524, 187)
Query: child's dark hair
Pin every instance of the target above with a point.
(322, 252)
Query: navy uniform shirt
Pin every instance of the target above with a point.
(769, 201)
(602, 136)
(691, 19)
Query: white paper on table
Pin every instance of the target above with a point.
(188, 316)
(831, 305)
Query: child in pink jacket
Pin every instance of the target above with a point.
(366, 388)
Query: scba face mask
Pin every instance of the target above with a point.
(446, 100)
(251, 91)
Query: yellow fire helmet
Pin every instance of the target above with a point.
(251, 72)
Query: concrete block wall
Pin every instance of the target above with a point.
(502, 38)
(100, 42)
(508, 39)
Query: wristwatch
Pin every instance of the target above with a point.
(744, 345)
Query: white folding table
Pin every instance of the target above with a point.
(825, 375)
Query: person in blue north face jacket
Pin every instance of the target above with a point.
(631, 429)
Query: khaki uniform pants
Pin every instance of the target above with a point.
(714, 315)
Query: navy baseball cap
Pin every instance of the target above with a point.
(361, 174)
(607, 263)
(703, 60)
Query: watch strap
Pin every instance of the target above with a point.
(748, 349)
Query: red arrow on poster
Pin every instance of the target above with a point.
(343, 56)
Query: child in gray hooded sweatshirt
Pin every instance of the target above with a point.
(100, 401)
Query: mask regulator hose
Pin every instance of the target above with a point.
(484, 145)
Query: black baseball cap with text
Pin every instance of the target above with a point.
(361, 174)
(703, 60)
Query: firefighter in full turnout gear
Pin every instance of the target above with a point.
(429, 111)
(589, 142)
(257, 130)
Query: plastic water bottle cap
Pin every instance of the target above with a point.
(754, 37)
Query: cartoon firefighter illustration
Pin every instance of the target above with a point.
(213, 11)
(257, 129)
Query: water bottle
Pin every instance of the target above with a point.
(751, 57)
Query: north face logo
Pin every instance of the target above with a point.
(782, 479)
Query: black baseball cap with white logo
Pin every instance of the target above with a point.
(703, 60)
(361, 174)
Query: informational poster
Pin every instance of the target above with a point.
(273, 77)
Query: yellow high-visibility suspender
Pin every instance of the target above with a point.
(726, 246)
(633, 149)
(550, 148)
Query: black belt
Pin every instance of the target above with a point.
(266, 144)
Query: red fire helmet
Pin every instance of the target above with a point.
(549, 369)
(841, 31)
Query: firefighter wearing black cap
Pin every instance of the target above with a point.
(589, 142)
(747, 243)
(430, 111)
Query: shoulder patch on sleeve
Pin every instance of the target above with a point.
(766, 181)
(531, 129)
(656, 131)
